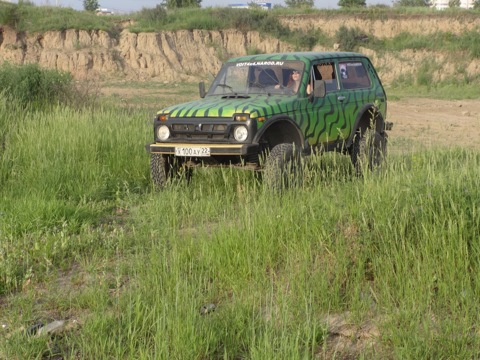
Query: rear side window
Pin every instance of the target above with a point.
(353, 75)
(326, 72)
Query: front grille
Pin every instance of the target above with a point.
(183, 127)
(200, 127)
(199, 130)
(205, 130)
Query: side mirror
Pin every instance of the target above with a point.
(201, 89)
(319, 89)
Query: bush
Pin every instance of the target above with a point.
(299, 4)
(352, 3)
(157, 13)
(30, 85)
(470, 42)
(13, 15)
(90, 5)
(350, 38)
(425, 75)
(176, 4)
(411, 3)
(10, 15)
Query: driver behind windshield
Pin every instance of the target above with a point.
(294, 81)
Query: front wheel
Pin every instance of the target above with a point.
(165, 168)
(282, 167)
(369, 150)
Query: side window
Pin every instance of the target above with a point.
(353, 75)
(326, 72)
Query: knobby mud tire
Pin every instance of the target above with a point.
(283, 167)
(159, 168)
(165, 168)
(369, 151)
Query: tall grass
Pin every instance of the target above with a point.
(31, 86)
(84, 237)
(61, 172)
(397, 250)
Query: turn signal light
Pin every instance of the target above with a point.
(241, 117)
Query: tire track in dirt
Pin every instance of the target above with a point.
(420, 124)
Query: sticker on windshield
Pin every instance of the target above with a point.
(261, 63)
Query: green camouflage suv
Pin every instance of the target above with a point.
(265, 111)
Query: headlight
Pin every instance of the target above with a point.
(163, 133)
(240, 133)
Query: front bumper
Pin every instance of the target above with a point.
(215, 149)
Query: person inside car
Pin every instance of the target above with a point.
(294, 81)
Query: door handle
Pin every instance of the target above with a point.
(341, 98)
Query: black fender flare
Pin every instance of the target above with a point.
(359, 122)
(286, 130)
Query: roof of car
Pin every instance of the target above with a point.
(305, 56)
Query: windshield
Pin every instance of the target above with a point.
(258, 77)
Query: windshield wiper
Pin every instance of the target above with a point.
(259, 85)
(227, 86)
(256, 84)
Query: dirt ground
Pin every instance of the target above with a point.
(429, 123)
(418, 123)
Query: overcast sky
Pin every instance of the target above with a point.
(130, 5)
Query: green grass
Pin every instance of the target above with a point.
(27, 17)
(61, 173)
(84, 237)
(447, 91)
(467, 43)
(29, 85)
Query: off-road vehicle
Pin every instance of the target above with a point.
(265, 111)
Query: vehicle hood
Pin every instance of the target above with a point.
(227, 106)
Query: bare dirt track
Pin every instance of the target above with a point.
(428, 123)
(418, 123)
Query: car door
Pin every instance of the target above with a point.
(356, 91)
(325, 124)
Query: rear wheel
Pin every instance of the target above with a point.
(368, 151)
(282, 167)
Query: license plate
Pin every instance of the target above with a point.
(192, 151)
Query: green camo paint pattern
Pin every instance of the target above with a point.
(325, 120)
(218, 107)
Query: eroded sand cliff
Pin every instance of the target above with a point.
(189, 55)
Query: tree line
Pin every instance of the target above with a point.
(93, 5)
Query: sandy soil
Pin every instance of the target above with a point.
(418, 123)
(428, 123)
